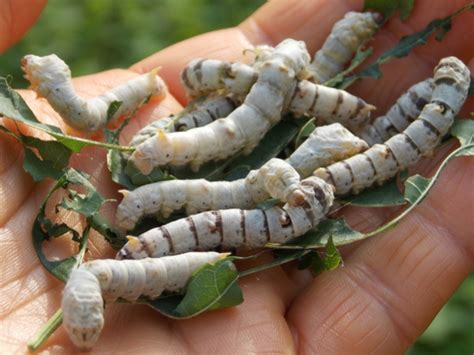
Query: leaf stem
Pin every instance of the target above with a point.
(48, 329)
(422, 195)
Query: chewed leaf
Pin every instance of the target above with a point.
(338, 81)
(463, 130)
(385, 195)
(13, 106)
(42, 158)
(88, 205)
(211, 287)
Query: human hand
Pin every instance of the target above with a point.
(385, 296)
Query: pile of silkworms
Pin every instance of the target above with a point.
(232, 107)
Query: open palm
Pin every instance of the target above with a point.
(380, 302)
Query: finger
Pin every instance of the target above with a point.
(17, 17)
(392, 286)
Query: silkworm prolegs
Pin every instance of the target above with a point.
(107, 280)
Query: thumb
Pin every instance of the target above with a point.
(17, 17)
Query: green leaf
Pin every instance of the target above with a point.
(42, 158)
(463, 130)
(406, 44)
(385, 7)
(87, 204)
(337, 229)
(361, 55)
(332, 258)
(471, 87)
(415, 187)
(305, 132)
(214, 286)
(406, 7)
(13, 106)
(112, 110)
(385, 195)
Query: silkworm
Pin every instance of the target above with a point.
(275, 179)
(242, 129)
(326, 145)
(50, 77)
(308, 99)
(107, 280)
(399, 116)
(204, 76)
(235, 227)
(196, 114)
(346, 36)
(383, 161)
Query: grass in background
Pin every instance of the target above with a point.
(96, 35)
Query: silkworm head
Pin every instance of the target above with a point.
(129, 210)
(42, 69)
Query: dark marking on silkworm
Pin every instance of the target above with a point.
(432, 128)
(400, 108)
(219, 226)
(196, 122)
(308, 211)
(315, 99)
(211, 114)
(339, 101)
(447, 81)
(412, 143)
(360, 106)
(193, 229)
(266, 226)
(420, 103)
(348, 167)
(295, 92)
(167, 236)
(185, 79)
(371, 163)
(198, 70)
(242, 226)
(331, 177)
(390, 152)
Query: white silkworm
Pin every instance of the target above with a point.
(399, 116)
(326, 145)
(242, 129)
(383, 161)
(329, 104)
(204, 76)
(197, 114)
(346, 36)
(106, 280)
(235, 227)
(50, 77)
(275, 178)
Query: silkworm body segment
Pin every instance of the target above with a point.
(99, 280)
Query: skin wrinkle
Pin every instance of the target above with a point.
(331, 275)
(378, 290)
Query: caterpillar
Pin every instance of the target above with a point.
(276, 178)
(310, 99)
(50, 77)
(196, 114)
(346, 36)
(234, 228)
(242, 129)
(399, 116)
(107, 280)
(383, 161)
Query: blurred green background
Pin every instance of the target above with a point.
(94, 35)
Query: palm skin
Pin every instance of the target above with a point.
(387, 293)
